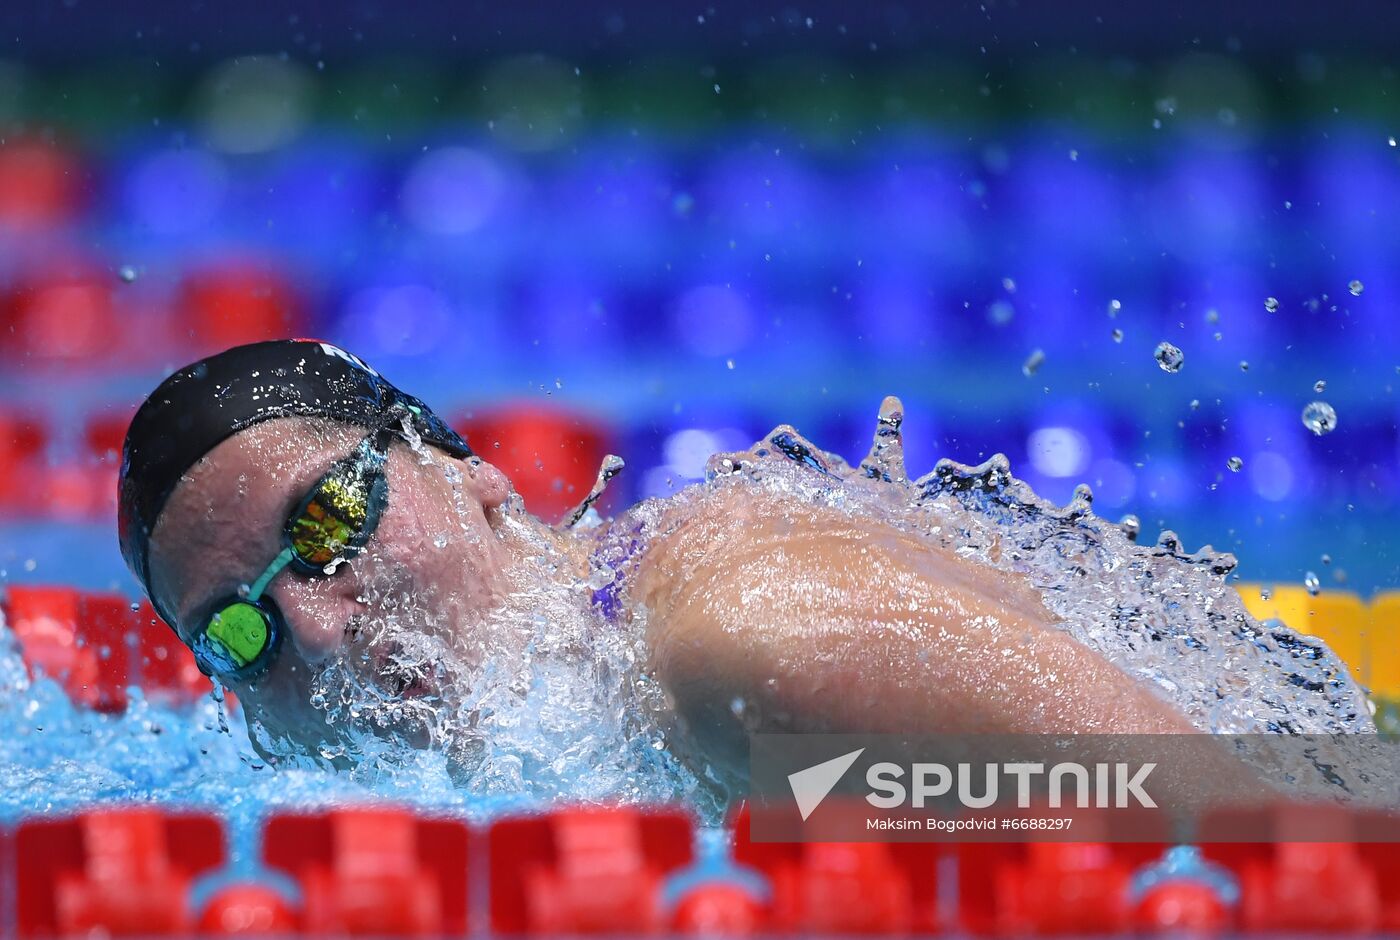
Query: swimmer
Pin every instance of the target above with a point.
(279, 498)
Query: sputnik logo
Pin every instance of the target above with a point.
(810, 786)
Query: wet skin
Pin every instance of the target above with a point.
(814, 621)
(224, 522)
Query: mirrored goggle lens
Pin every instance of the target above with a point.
(238, 639)
(338, 515)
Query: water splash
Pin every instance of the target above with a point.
(1160, 613)
(547, 698)
(612, 465)
(886, 458)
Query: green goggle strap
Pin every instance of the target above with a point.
(283, 559)
(241, 628)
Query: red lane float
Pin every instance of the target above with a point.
(38, 183)
(845, 887)
(1182, 907)
(235, 303)
(1059, 888)
(718, 909)
(22, 470)
(585, 870)
(120, 872)
(166, 667)
(95, 646)
(551, 456)
(62, 316)
(247, 909)
(373, 870)
(78, 640)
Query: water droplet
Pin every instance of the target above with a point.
(601, 576)
(1033, 362)
(1169, 357)
(1113, 308)
(1319, 418)
(1311, 582)
(1320, 386)
(611, 466)
(1271, 304)
(1118, 336)
(127, 273)
(1000, 312)
(1356, 287)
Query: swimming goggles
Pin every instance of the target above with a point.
(328, 527)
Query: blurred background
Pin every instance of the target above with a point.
(659, 232)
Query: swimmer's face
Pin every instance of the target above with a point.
(434, 562)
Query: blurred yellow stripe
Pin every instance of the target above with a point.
(1385, 645)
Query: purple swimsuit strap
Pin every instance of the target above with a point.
(608, 598)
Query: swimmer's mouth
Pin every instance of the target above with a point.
(403, 680)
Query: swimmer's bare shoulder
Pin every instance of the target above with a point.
(768, 614)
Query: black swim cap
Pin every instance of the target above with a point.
(209, 401)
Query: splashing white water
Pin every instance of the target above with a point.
(550, 698)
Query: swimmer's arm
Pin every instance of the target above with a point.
(757, 625)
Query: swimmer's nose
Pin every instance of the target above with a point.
(317, 610)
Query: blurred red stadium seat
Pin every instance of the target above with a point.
(374, 871)
(551, 455)
(39, 183)
(585, 870)
(845, 887)
(233, 303)
(114, 872)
